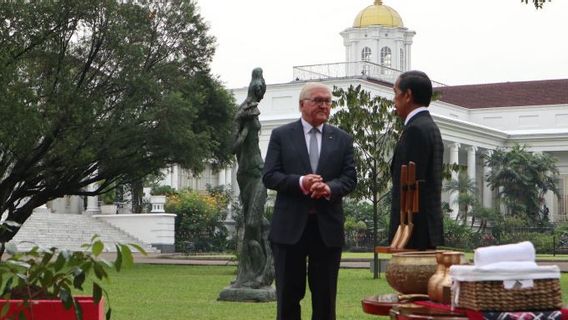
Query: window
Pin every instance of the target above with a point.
(402, 67)
(366, 57)
(386, 56)
(366, 54)
(386, 60)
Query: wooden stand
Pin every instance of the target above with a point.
(392, 250)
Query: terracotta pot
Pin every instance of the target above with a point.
(409, 272)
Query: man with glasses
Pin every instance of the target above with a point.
(310, 165)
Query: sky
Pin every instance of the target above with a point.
(456, 42)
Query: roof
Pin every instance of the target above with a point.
(506, 94)
(378, 14)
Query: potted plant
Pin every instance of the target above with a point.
(108, 200)
(37, 284)
(158, 196)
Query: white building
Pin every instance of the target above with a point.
(473, 119)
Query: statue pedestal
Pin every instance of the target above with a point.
(243, 294)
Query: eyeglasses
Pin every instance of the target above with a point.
(320, 101)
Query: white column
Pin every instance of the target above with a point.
(221, 178)
(175, 177)
(93, 202)
(471, 170)
(229, 176)
(471, 162)
(454, 158)
(487, 193)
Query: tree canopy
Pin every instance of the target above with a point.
(103, 91)
(522, 179)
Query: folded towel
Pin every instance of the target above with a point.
(522, 251)
(501, 272)
(512, 266)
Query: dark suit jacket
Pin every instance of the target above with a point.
(286, 161)
(420, 142)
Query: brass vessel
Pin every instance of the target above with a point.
(436, 277)
(440, 283)
(409, 272)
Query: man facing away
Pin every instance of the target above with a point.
(421, 143)
(310, 165)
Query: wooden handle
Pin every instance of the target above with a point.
(410, 183)
(403, 191)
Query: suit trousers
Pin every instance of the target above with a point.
(322, 271)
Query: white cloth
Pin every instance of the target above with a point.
(522, 251)
(504, 271)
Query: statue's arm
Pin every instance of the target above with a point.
(241, 136)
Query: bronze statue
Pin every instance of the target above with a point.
(256, 269)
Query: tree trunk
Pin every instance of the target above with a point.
(137, 189)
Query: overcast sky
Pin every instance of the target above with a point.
(456, 41)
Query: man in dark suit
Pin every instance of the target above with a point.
(311, 170)
(421, 143)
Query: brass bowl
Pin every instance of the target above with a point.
(409, 272)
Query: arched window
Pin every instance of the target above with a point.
(366, 54)
(402, 66)
(386, 56)
(366, 57)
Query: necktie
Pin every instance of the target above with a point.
(314, 152)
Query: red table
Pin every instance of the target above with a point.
(428, 310)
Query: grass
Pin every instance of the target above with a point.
(171, 292)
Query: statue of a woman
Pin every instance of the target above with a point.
(255, 260)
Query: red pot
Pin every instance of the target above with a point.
(54, 309)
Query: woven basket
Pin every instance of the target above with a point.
(492, 296)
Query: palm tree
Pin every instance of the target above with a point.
(467, 192)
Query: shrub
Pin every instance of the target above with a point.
(199, 221)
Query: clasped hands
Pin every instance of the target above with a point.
(316, 188)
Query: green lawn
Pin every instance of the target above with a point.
(168, 292)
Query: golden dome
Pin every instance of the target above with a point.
(378, 14)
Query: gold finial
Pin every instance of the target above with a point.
(378, 2)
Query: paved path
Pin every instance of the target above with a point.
(348, 263)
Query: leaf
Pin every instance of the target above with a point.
(97, 292)
(138, 248)
(127, 258)
(79, 278)
(59, 262)
(100, 272)
(118, 260)
(98, 247)
(78, 310)
(4, 310)
(66, 298)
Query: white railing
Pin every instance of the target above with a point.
(348, 70)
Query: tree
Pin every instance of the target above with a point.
(375, 130)
(537, 3)
(522, 179)
(103, 91)
(467, 192)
